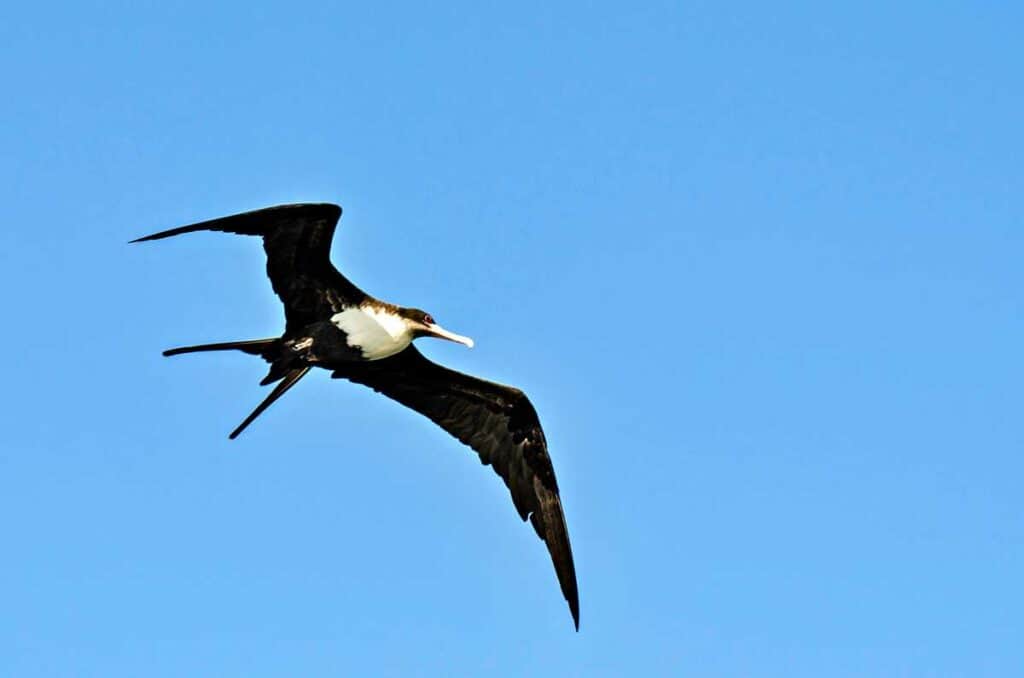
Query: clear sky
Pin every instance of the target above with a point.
(759, 267)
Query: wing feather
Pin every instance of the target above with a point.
(500, 424)
(297, 240)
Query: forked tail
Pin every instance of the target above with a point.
(285, 370)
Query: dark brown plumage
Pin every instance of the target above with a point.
(330, 324)
(499, 423)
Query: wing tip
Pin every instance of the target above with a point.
(572, 596)
(162, 234)
(332, 210)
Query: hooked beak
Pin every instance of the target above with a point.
(441, 333)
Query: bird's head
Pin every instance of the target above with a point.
(422, 324)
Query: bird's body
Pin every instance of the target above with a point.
(332, 324)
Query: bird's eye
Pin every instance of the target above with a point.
(428, 319)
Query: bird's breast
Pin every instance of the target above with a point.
(376, 333)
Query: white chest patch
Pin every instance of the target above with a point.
(378, 334)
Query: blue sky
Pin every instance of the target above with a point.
(759, 268)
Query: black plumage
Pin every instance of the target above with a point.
(496, 421)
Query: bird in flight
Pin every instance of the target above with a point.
(331, 323)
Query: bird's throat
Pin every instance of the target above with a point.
(376, 332)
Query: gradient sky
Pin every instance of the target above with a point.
(758, 266)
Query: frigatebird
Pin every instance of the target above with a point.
(331, 323)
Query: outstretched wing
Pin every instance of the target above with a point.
(297, 239)
(500, 424)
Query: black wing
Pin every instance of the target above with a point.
(297, 239)
(500, 424)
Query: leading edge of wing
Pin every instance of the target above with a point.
(255, 222)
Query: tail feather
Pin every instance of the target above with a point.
(260, 347)
(290, 379)
(281, 369)
(278, 370)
